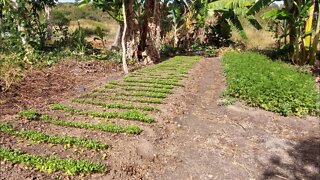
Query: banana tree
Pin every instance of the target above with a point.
(231, 10)
(302, 19)
(177, 12)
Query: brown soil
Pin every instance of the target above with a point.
(193, 138)
(41, 87)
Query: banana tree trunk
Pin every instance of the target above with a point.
(117, 40)
(175, 41)
(47, 10)
(315, 42)
(124, 49)
(1, 15)
(131, 34)
(153, 49)
(20, 28)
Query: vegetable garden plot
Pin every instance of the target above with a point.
(135, 98)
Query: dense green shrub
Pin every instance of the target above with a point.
(271, 85)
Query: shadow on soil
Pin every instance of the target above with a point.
(305, 157)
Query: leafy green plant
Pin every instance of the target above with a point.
(271, 85)
(51, 164)
(127, 115)
(45, 138)
(35, 116)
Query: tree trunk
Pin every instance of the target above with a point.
(124, 49)
(157, 30)
(175, 41)
(47, 10)
(20, 28)
(316, 39)
(117, 40)
(145, 26)
(131, 34)
(1, 15)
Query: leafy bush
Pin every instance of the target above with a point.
(271, 85)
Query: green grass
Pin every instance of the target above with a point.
(45, 138)
(35, 116)
(127, 115)
(115, 105)
(51, 164)
(273, 86)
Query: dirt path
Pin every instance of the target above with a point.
(236, 142)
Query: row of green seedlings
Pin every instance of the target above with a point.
(33, 115)
(123, 98)
(127, 115)
(158, 76)
(51, 164)
(153, 81)
(144, 89)
(45, 138)
(115, 105)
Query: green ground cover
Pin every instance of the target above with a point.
(271, 85)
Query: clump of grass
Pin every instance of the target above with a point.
(35, 116)
(127, 115)
(45, 138)
(51, 164)
(273, 86)
(116, 105)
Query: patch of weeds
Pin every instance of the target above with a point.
(271, 85)
(226, 101)
(35, 116)
(51, 164)
(45, 138)
(127, 115)
(114, 105)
